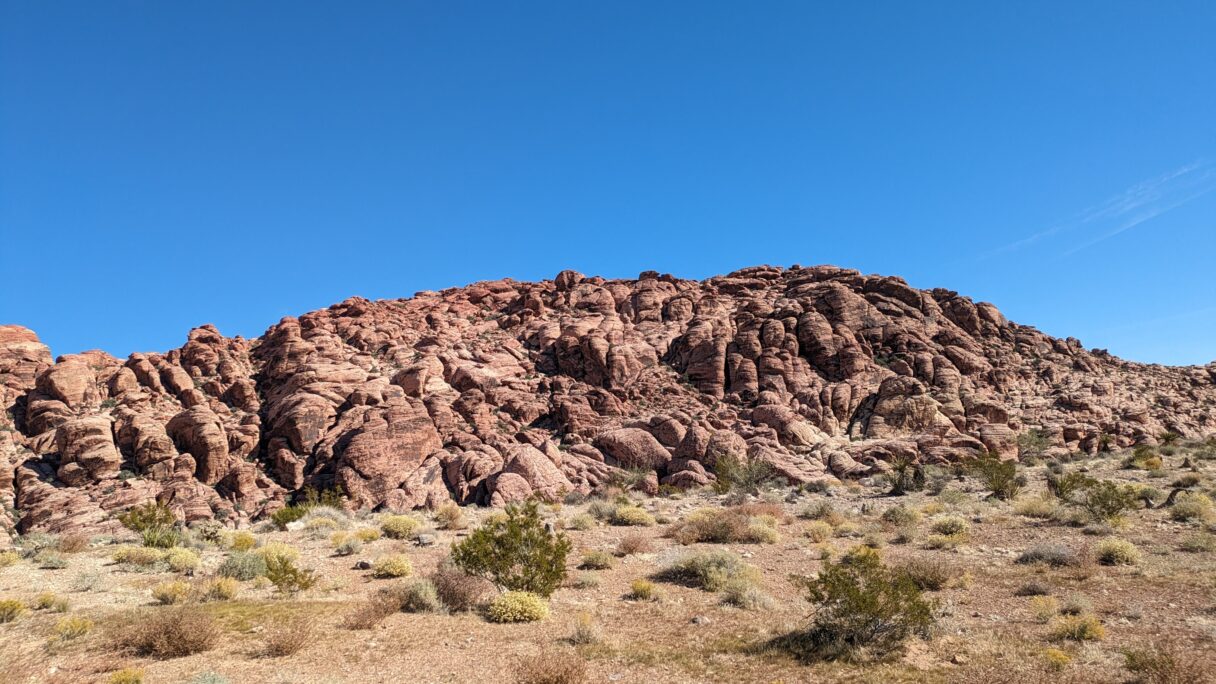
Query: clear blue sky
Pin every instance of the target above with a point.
(168, 164)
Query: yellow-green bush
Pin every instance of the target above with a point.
(219, 589)
(518, 606)
(1044, 608)
(127, 675)
(634, 516)
(171, 593)
(1192, 506)
(138, 555)
(1117, 552)
(1035, 507)
(8, 558)
(951, 526)
(399, 526)
(1077, 628)
(72, 627)
(49, 600)
(182, 559)
(242, 540)
(367, 534)
(278, 551)
(10, 610)
(642, 590)
(449, 516)
(392, 565)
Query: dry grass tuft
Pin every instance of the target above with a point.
(552, 667)
(168, 633)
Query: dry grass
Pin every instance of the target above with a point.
(168, 632)
(287, 637)
(551, 667)
(460, 592)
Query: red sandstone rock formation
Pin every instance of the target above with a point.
(503, 390)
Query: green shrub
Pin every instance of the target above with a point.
(72, 627)
(1106, 501)
(999, 476)
(242, 541)
(161, 537)
(420, 596)
(515, 552)
(8, 558)
(399, 526)
(596, 560)
(348, 546)
(50, 560)
(862, 608)
(392, 565)
(518, 606)
(708, 570)
(449, 516)
(1067, 485)
(286, 576)
(148, 516)
(243, 565)
(182, 560)
(1117, 552)
(742, 474)
(951, 526)
(581, 522)
(901, 516)
(632, 516)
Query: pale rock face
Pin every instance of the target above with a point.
(503, 390)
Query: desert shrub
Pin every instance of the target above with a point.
(581, 522)
(1076, 604)
(458, 590)
(1067, 485)
(8, 558)
(951, 526)
(243, 566)
(1192, 506)
(708, 570)
(582, 580)
(1201, 542)
(49, 600)
(596, 560)
(602, 510)
(151, 515)
(399, 526)
(642, 590)
(724, 526)
(1035, 507)
(1033, 588)
(420, 596)
(33, 543)
(904, 476)
(551, 667)
(1033, 443)
(367, 535)
(182, 560)
(901, 516)
(309, 499)
(11, 610)
(325, 517)
(348, 546)
(1105, 500)
(392, 565)
(742, 592)
(50, 560)
(373, 611)
(742, 474)
(287, 637)
(127, 675)
(172, 592)
(1054, 555)
(288, 577)
(944, 542)
(586, 631)
(862, 608)
(161, 537)
(1044, 608)
(1165, 663)
(632, 544)
(999, 476)
(137, 556)
(219, 589)
(449, 516)
(823, 511)
(515, 552)
(631, 516)
(818, 531)
(928, 574)
(73, 542)
(518, 606)
(1117, 552)
(169, 633)
(72, 627)
(1077, 628)
(242, 541)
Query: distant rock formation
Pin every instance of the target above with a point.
(503, 390)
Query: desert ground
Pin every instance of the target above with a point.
(1001, 576)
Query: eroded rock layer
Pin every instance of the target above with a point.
(503, 390)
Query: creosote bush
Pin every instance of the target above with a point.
(518, 606)
(1105, 500)
(631, 516)
(515, 552)
(742, 474)
(863, 609)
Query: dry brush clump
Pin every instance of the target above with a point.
(725, 526)
(168, 632)
(551, 667)
(287, 637)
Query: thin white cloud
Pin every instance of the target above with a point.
(1147, 200)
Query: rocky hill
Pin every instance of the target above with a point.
(502, 390)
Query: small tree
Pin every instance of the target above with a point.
(862, 607)
(1033, 443)
(1106, 500)
(999, 476)
(515, 552)
(747, 475)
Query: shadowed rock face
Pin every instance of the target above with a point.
(502, 390)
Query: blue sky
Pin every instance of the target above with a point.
(164, 165)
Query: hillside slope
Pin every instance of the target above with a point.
(501, 390)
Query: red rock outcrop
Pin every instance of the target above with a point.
(503, 390)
